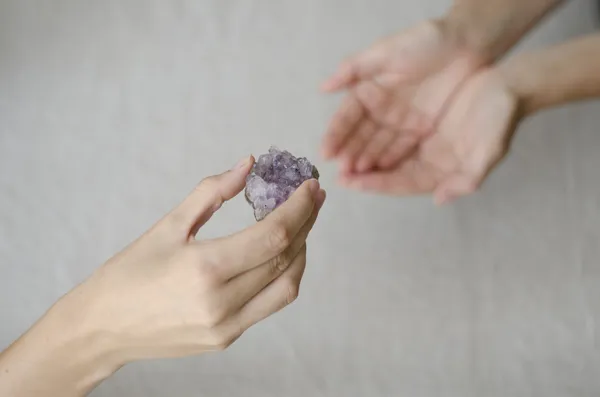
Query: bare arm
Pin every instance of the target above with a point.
(490, 28)
(57, 356)
(167, 294)
(564, 73)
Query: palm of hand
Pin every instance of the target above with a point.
(471, 138)
(398, 90)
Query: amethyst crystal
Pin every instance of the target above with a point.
(273, 179)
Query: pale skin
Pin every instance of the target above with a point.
(167, 294)
(426, 112)
(417, 117)
(474, 133)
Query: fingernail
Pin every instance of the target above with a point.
(242, 163)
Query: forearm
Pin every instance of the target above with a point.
(56, 357)
(564, 73)
(489, 28)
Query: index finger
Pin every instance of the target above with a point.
(343, 124)
(360, 66)
(268, 238)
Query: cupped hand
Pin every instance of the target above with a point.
(471, 138)
(397, 92)
(169, 295)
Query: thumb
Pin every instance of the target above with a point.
(360, 66)
(454, 187)
(209, 196)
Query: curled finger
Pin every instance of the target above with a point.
(277, 295)
(239, 290)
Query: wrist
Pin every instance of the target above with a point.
(520, 79)
(557, 75)
(461, 25)
(491, 28)
(60, 355)
(99, 348)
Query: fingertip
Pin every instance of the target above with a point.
(340, 79)
(310, 189)
(314, 187)
(344, 180)
(386, 163)
(454, 188)
(331, 151)
(332, 84)
(320, 199)
(328, 86)
(439, 200)
(244, 165)
(326, 152)
(445, 201)
(364, 164)
(346, 165)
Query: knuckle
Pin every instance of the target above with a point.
(279, 264)
(175, 220)
(212, 317)
(279, 237)
(223, 346)
(208, 184)
(497, 149)
(208, 274)
(495, 153)
(210, 321)
(292, 289)
(220, 341)
(207, 262)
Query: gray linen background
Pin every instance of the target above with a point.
(111, 111)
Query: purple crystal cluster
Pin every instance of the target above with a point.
(273, 179)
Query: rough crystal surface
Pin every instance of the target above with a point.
(273, 179)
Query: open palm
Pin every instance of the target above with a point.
(397, 91)
(472, 137)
